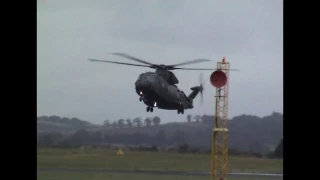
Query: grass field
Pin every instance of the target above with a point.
(76, 158)
(115, 176)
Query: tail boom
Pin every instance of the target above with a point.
(195, 92)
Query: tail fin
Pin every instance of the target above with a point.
(195, 92)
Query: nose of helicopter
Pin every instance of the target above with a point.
(144, 84)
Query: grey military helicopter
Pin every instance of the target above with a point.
(159, 89)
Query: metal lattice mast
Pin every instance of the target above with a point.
(219, 168)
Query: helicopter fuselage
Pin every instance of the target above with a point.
(155, 91)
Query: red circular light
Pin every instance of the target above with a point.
(218, 79)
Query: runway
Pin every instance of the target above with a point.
(155, 172)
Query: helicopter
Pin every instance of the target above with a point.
(159, 88)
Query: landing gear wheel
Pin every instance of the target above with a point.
(180, 111)
(140, 99)
(150, 108)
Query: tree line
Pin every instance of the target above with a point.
(136, 122)
(246, 132)
(85, 138)
(153, 121)
(278, 152)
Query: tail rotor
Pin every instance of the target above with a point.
(202, 84)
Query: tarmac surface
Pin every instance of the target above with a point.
(156, 172)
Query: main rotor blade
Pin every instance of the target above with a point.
(118, 63)
(208, 69)
(204, 69)
(131, 57)
(191, 62)
(201, 99)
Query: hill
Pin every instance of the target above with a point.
(47, 124)
(246, 132)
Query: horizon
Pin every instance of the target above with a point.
(162, 122)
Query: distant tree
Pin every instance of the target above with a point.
(156, 120)
(129, 123)
(43, 117)
(278, 152)
(197, 118)
(256, 146)
(80, 136)
(160, 138)
(189, 117)
(137, 121)
(205, 119)
(178, 137)
(114, 124)
(148, 121)
(184, 148)
(64, 119)
(106, 123)
(75, 119)
(48, 139)
(54, 118)
(121, 123)
(276, 114)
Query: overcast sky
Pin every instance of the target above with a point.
(249, 33)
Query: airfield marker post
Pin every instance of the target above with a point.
(219, 164)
